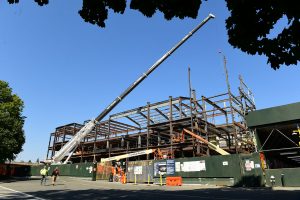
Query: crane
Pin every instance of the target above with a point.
(72, 144)
(210, 145)
(128, 155)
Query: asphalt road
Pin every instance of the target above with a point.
(78, 188)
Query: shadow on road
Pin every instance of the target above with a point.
(77, 189)
(16, 179)
(218, 194)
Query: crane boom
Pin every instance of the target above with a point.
(210, 145)
(128, 155)
(71, 145)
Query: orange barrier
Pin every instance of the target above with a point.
(174, 181)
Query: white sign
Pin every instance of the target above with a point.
(177, 166)
(193, 166)
(248, 165)
(252, 164)
(225, 163)
(138, 170)
(257, 165)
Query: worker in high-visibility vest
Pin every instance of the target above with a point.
(44, 173)
(297, 132)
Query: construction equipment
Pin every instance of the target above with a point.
(128, 155)
(210, 145)
(72, 144)
(158, 154)
(162, 154)
(117, 172)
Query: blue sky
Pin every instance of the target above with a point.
(67, 70)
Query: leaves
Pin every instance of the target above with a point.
(248, 26)
(170, 8)
(250, 23)
(96, 11)
(42, 2)
(13, 1)
(147, 7)
(11, 123)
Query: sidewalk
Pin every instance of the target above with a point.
(164, 187)
(286, 188)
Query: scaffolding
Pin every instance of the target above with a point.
(219, 119)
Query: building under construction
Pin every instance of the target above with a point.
(172, 141)
(219, 122)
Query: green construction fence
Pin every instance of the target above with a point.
(75, 169)
(285, 177)
(229, 170)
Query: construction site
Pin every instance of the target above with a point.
(221, 135)
(146, 143)
(219, 122)
(194, 139)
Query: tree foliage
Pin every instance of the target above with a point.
(11, 123)
(249, 24)
(252, 21)
(96, 11)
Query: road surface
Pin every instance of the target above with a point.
(79, 188)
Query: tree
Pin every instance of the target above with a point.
(248, 26)
(11, 123)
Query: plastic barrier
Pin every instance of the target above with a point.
(174, 181)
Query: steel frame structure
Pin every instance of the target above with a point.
(220, 119)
